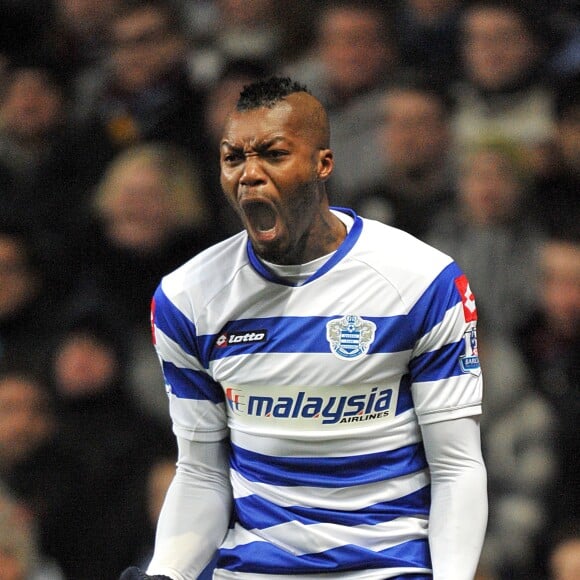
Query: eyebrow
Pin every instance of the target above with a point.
(260, 146)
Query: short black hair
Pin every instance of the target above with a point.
(268, 92)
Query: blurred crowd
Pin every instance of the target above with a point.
(456, 120)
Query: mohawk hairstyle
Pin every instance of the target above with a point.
(268, 92)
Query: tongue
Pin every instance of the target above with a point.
(261, 216)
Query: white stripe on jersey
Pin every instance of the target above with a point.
(299, 539)
(347, 499)
(464, 393)
(304, 368)
(377, 574)
(403, 430)
(443, 333)
(179, 357)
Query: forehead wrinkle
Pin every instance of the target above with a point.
(266, 127)
(255, 143)
(301, 115)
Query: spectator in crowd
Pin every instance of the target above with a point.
(503, 92)
(556, 200)
(42, 168)
(260, 32)
(564, 557)
(517, 429)
(16, 548)
(37, 476)
(354, 58)
(142, 92)
(76, 33)
(428, 37)
(490, 234)
(110, 437)
(150, 214)
(28, 296)
(415, 146)
(20, 557)
(32, 114)
(550, 340)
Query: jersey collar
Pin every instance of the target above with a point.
(342, 250)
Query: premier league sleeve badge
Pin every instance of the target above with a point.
(469, 362)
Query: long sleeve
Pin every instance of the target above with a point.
(196, 511)
(458, 516)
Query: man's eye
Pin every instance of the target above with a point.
(232, 157)
(275, 153)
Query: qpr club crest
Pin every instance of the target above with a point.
(350, 336)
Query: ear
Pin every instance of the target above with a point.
(325, 164)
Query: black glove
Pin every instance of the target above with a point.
(134, 573)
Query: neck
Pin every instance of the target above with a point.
(325, 237)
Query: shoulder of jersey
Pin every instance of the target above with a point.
(394, 252)
(211, 268)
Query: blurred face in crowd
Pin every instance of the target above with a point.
(489, 187)
(145, 48)
(415, 134)
(354, 48)
(32, 105)
(84, 365)
(565, 561)
(85, 16)
(25, 419)
(560, 289)
(18, 545)
(498, 50)
(138, 216)
(10, 565)
(18, 284)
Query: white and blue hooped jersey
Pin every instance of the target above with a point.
(321, 388)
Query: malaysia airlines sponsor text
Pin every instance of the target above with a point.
(328, 409)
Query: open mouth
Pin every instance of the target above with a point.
(261, 218)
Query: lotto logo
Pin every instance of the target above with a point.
(230, 338)
(467, 298)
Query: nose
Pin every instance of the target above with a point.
(253, 173)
